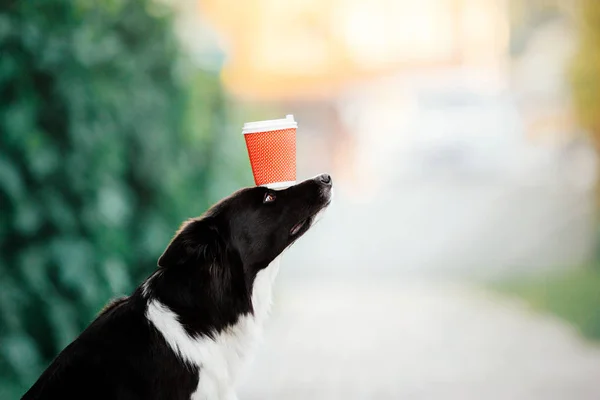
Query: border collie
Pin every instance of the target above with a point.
(185, 330)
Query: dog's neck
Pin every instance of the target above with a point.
(197, 297)
(262, 290)
(218, 354)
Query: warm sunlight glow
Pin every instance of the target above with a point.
(311, 48)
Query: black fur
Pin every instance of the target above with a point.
(205, 276)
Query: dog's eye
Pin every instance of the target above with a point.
(269, 198)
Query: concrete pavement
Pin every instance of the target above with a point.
(391, 340)
(370, 305)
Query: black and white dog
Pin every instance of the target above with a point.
(184, 332)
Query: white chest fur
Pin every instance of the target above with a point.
(220, 358)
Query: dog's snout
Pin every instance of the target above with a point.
(324, 179)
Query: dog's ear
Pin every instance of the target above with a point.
(196, 240)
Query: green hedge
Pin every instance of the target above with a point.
(108, 140)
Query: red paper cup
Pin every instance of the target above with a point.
(272, 151)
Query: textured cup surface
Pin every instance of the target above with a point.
(273, 156)
(272, 151)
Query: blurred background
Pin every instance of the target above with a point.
(460, 257)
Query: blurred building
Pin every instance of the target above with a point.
(309, 48)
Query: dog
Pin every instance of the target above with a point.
(186, 330)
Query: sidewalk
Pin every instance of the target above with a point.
(374, 340)
(367, 307)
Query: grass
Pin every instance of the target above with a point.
(573, 296)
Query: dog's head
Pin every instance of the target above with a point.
(251, 227)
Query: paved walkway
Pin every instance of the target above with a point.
(375, 340)
(365, 309)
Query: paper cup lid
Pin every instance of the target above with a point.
(270, 125)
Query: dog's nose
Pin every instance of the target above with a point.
(324, 179)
